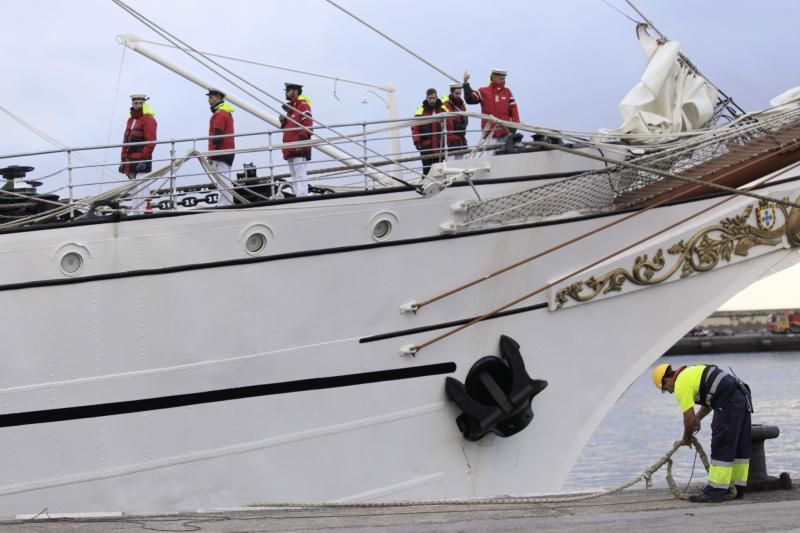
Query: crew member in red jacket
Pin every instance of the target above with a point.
(456, 126)
(427, 137)
(296, 125)
(137, 160)
(221, 123)
(496, 100)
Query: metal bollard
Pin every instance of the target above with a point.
(759, 480)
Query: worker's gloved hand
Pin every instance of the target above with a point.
(285, 107)
(282, 120)
(122, 168)
(143, 167)
(418, 146)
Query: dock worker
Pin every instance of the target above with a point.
(496, 100)
(296, 125)
(221, 123)
(137, 161)
(729, 397)
(427, 137)
(456, 126)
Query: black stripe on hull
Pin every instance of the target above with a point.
(223, 395)
(451, 324)
(334, 250)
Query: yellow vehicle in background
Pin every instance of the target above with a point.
(783, 322)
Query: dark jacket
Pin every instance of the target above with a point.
(427, 136)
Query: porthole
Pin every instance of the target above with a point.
(71, 263)
(382, 229)
(382, 225)
(255, 243)
(255, 239)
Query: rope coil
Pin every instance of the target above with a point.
(645, 476)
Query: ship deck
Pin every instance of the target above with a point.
(632, 510)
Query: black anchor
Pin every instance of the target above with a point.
(496, 396)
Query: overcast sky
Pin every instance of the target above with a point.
(570, 62)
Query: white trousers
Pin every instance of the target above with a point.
(139, 193)
(225, 193)
(299, 179)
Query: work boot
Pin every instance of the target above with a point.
(705, 498)
(739, 492)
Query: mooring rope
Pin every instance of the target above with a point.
(416, 306)
(645, 476)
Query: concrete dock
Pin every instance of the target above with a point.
(632, 510)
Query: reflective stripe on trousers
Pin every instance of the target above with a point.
(741, 472)
(720, 474)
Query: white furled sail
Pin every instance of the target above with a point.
(791, 96)
(670, 98)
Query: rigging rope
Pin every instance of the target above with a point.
(645, 476)
(46, 137)
(173, 39)
(618, 10)
(684, 58)
(376, 30)
(415, 348)
(335, 79)
(111, 122)
(415, 306)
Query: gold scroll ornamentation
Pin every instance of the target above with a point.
(701, 253)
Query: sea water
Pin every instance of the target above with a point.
(644, 423)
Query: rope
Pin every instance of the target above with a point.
(46, 137)
(683, 57)
(645, 476)
(618, 10)
(335, 79)
(414, 349)
(111, 122)
(115, 193)
(708, 184)
(417, 306)
(173, 39)
(404, 48)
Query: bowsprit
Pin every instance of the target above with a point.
(496, 396)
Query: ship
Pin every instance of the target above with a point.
(393, 335)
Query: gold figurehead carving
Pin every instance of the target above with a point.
(701, 253)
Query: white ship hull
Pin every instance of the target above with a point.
(173, 309)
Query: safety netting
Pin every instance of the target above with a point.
(741, 149)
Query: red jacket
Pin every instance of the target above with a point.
(298, 111)
(496, 100)
(141, 127)
(427, 136)
(221, 123)
(456, 126)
